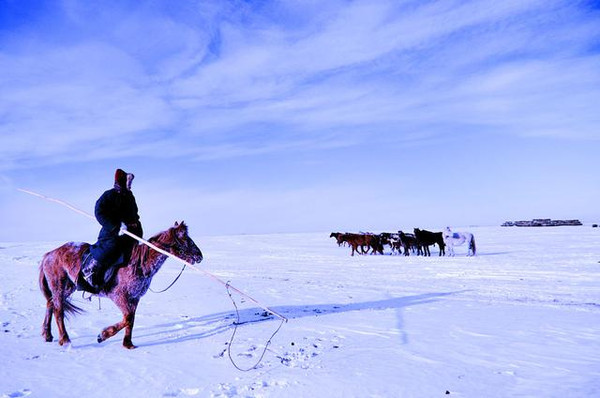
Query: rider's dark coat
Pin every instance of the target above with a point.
(116, 206)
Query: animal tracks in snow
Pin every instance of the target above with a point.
(230, 390)
(302, 354)
(305, 353)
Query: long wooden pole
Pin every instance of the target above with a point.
(158, 249)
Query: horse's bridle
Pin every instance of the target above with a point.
(166, 247)
(177, 242)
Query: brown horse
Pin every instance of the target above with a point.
(368, 241)
(60, 267)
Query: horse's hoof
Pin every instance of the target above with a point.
(129, 346)
(62, 342)
(99, 339)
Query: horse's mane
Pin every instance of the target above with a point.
(141, 251)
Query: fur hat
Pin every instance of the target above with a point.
(123, 180)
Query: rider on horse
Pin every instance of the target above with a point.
(116, 206)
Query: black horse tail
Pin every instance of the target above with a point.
(473, 248)
(71, 309)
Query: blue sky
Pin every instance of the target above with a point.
(259, 117)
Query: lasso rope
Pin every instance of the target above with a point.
(227, 285)
(215, 278)
(238, 323)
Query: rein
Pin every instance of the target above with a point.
(174, 280)
(171, 285)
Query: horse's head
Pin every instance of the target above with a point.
(447, 232)
(182, 245)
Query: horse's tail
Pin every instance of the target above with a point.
(473, 244)
(71, 309)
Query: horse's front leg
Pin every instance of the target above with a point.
(406, 250)
(128, 309)
(129, 326)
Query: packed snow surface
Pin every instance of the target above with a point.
(520, 319)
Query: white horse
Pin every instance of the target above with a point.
(452, 239)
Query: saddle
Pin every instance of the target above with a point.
(109, 272)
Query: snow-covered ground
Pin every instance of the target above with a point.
(521, 319)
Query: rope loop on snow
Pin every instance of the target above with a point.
(236, 324)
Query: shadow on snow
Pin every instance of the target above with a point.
(210, 325)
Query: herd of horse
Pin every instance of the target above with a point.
(406, 243)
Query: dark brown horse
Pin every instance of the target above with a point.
(338, 237)
(60, 268)
(427, 238)
(409, 243)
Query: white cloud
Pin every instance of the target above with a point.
(209, 79)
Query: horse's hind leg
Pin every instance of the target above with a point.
(59, 314)
(47, 325)
(55, 287)
(58, 305)
(60, 293)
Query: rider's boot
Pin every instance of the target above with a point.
(91, 273)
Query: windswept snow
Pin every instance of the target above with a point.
(522, 318)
